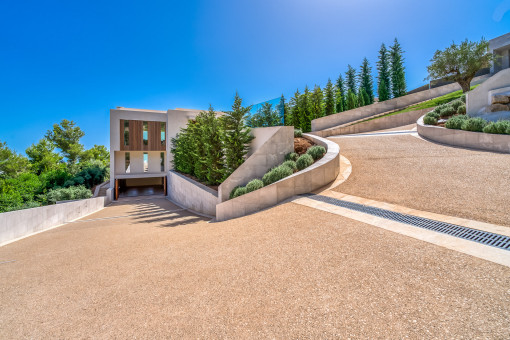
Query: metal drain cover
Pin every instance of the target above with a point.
(480, 236)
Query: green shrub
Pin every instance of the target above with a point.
(291, 156)
(501, 127)
(463, 98)
(65, 194)
(438, 109)
(433, 114)
(304, 161)
(298, 133)
(239, 191)
(254, 184)
(474, 124)
(316, 151)
(276, 174)
(291, 164)
(456, 122)
(430, 120)
(447, 111)
(233, 191)
(461, 110)
(456, 103)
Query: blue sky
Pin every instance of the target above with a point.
(78, 59)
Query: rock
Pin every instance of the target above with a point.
(500, 99)
(499, 107)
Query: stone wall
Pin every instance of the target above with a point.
(314, 177)
(20, 223)
(464, 139)
(190, 194)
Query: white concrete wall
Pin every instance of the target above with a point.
(314, 177)
(20, 223)
(376, 124)
(268, 149)
(191, 194)
(464, 139)
(385, 106)
(478, 99)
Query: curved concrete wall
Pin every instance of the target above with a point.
(479, 98)
(314, 177)
(388, 122)
(190, 194)
(268, 149)
(385, 106)
(20, 223)
(465, 139)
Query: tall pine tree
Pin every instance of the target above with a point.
(398, 77)
(350, 77)
(383, 77)
(366, 82)
(361, 98)
(237, 135)
(214, 152)
(316, 102)
(329, 99)
(340, 94)
(280, 108)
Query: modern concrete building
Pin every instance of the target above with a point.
(140, 142)
(500, 47)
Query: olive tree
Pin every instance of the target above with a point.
(460, 63)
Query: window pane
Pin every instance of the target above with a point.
(145, 162)
(162, 162)
(127, 159)
(163, 134)
(126, 132)
(145, 133)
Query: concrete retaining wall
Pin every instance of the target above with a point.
(478, 99)
(20, 223)
(385, 106)
(268, 149)
(465, 139)
(388, 122)
(316, 176)
(191, 194)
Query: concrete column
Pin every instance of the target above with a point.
(505, 59)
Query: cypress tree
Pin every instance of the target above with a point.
(236, 138)
(212, 139)
(383, 77)
(366, 81)
(361, 98)
(280, 108)
(304, 111)
(329, 99)
(316, 103)
(398, 77)
(350, 76)
(351, 102)
(294, 110)
(340, 94)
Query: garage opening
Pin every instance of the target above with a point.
(134, 187)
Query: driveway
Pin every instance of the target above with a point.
(147, 269)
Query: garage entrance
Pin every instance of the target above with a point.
(135, 187)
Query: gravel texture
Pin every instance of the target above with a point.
(409, 171)
(138, 270)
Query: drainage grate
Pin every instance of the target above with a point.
(483, 237)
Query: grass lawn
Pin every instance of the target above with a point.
(425, 105)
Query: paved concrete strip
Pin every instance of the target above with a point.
(464, 246)
(343, 175)
(378, 134)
